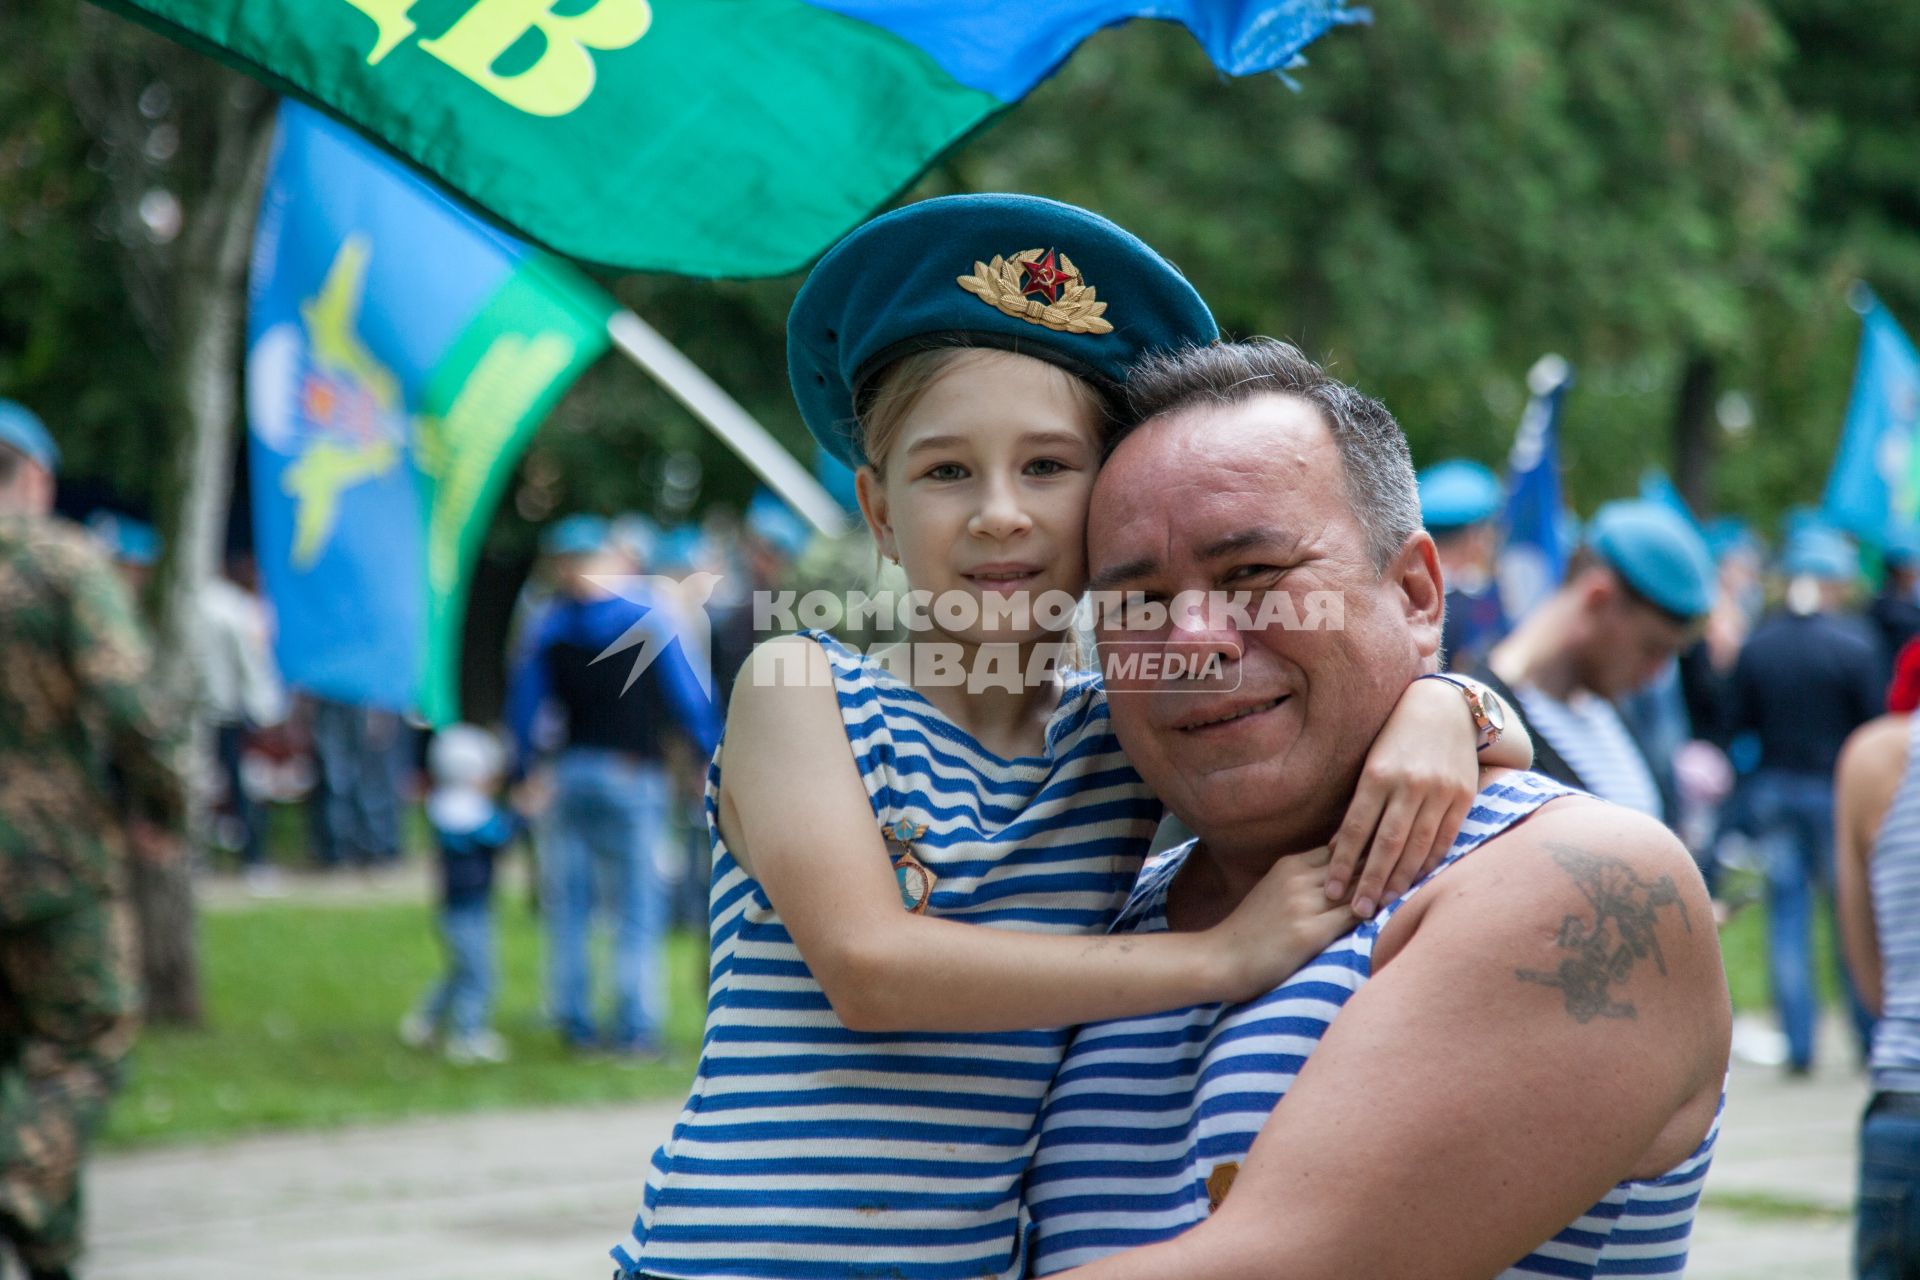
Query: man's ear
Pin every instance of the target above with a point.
(1415, 570)
(872, 493)
(1599, 591)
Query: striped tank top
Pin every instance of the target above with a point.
(1590, 736)
(1145, 1110)
(809, 1150)
(1894, 876)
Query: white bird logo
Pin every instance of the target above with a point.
(676, 610)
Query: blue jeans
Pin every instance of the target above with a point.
(1792, 821)
(356, 804)
(597, 845)
(229, 744)
(1886, 1243)
(462, 1002)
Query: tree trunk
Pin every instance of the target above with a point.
(1694, 433)
(210, 294)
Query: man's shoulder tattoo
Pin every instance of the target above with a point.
(1602, 950)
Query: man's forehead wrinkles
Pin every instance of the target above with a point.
(1265, 536)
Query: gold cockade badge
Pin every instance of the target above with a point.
(1040, 286)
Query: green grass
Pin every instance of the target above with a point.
(303, 1002)
(1775, 1208)
(1743, 947)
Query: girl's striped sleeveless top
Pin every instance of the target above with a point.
(810, 1150)
(1894, 876)
(1144, 1110)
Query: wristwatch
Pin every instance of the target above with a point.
(1489, 713)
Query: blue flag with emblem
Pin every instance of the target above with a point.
(1534, 556)
(1874, 486)
(400, 355)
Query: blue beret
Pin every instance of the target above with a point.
(1728, 534)
(129, 541)
(773, 522)
(1016, 272)
(634, 533)
(1821, 553)
(1903, 547)
(679, 547)
(1799, 520)
(1457, 493)
(837, 478)
(1657, 552)
(138, 543)
(574, 536)
(22, 429)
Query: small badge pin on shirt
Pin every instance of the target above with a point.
(1219, 1182)
(915, 880)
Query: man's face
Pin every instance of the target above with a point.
(31, 491)
(1628, 641)
(1251, 498)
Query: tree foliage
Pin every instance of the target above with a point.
(1453, 191)
(1449, 193)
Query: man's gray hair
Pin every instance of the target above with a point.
(1373, 448)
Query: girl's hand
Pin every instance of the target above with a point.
(1416, 788)
(1282, 924)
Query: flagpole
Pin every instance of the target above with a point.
(765, 456)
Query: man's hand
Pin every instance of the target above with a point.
(531, 796)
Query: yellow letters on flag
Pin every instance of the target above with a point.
(559, 80)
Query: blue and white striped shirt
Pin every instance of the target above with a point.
(1146, 1111)
(810, 1150)
(1893, 876)
(1587, 731)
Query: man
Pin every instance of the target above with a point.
(1540, 1027)
(1895, 612)
(1458, 501)
(240, 695)
(1877, 900)
(1810, 675)
(74, 699)
(132, 545)
(1633, 598)
(616, 680)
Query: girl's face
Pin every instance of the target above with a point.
(984, 491)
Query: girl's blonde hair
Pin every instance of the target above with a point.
(891, 395)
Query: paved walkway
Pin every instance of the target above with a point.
(541, 1195)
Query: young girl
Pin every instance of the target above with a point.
(873, 1064)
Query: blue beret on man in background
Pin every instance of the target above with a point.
(22, 431)
(1459, 499)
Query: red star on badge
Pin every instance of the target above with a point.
(1045, 276)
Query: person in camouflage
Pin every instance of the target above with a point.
(74, 702)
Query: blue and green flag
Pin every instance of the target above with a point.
(703, 137)
(1533, 557)
(401, 354)
(1873, 490)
